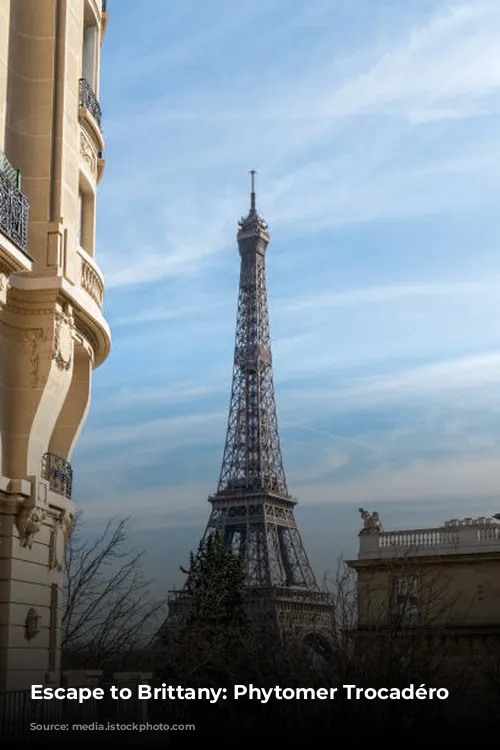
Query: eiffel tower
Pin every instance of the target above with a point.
(252, 507)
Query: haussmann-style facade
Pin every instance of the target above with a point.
(52, 329)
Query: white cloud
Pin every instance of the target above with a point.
(470, 482)
(462, 479)
(462, 381)
(173, 393)
(452, 57)
(350, 190)
(324, 461)
(173, 432)
(377, 295)
(211, 309)
(171, 312)
(448, 68)
(171, 506)
(189, 238)
(332, 436)
(458, 384)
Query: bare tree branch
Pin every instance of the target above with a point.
(108, 608)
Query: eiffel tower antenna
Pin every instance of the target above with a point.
(252, 189)
(252, 507)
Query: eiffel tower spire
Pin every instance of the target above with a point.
(252, 507)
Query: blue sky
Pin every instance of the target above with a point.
(373, 127)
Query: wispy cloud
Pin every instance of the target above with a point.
(188, 240)
(168, 312)
(176, 393)
(421, 480)
(166, 506)
(332, 436)
(376, 295)
(462, 381)
(445, 67)
(173, 432)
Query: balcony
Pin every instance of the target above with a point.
(91, 281)
(88, 100)
(14, 206)
(58, 474)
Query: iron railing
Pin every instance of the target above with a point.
(14, 209)
(88, 100)
(23, 717)
(19, 711)
(104, 6)
(59, 474)
(6, 168)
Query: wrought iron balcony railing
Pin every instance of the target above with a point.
(6, 168)
(88, 100)
(58, 473)
(14, 208)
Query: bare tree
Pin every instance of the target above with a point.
(108, 609)
(397, 627)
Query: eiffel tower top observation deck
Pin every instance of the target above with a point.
(252, 460)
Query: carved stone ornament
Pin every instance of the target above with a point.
(58, 541)
(4, 281)
(32, 624)
(88, 153)
(371, 522)
(29, 522)
(32, 338)
(63, 341)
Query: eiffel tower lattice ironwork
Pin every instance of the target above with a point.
(252, 507)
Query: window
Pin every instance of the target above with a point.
(86, 210)
(405, 603)
(89, 53)
(80, 218)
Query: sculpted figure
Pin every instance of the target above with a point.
(29, 525)
(371, 521)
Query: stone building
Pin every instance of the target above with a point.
(461, 558)
(442, 581)
(52, 329)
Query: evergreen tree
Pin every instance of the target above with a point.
(211, 644)
(215, 584)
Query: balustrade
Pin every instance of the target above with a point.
(453, 537)
(91, 283)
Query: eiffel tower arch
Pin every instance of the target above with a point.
(252, 508)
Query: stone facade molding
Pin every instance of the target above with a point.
(63, 341)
